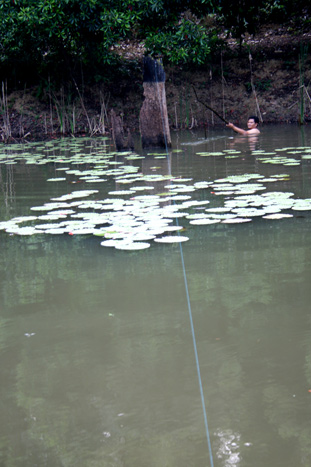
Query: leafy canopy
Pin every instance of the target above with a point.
(59, 35)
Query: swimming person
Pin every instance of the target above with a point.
(251, 125)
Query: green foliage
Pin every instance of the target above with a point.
(61, 33)
(240, 16)
(59, 36)
(182, 43)
(285, 11)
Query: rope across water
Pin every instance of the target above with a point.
(186, 288)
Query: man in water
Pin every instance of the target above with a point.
(251, 125)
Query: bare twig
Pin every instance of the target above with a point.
(253, 87)
(4, 109)
(103, 114)
(91, 127)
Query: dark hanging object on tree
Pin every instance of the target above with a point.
(153, 71)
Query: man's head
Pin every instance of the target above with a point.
(252, 122)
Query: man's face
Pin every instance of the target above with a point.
(251, 124)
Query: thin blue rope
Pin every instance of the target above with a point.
(188, 299)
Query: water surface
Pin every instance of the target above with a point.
(97, 355)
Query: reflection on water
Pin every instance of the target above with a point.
(251, 141)
(97, 361)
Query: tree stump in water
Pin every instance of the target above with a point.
(120, 140)
(117, 130)
(153, 119)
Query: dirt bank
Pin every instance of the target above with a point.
(264, 77)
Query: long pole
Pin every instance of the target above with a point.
(208, 107)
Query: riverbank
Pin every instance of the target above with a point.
(269, 76)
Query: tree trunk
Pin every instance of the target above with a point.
(153, 119)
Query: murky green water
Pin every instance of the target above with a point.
(97, 358)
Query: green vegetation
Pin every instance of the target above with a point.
(59, 37)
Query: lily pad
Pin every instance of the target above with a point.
(86, 231)
(219, 209)
(236, 220)
(277, 216)
(21, 219)
(206, 221)
(59, 179)
(172, 239)
(121, 192)
(24, 231)
(132, 245)
(302, 205)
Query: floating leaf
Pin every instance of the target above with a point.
(205, 154)
(86, 231)
(132, 245)
(222, 216)
(236, 220)
(206, 221)
(121, 192)
(277, 216)
(302, 205)
(59, 231)
(24, 231)
(219, 209)
(170, 239)
(21, 219)
(141, 188)
(60, 179)
(249, 212)
(197, 216)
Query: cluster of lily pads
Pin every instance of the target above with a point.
(131, 218)
(292, 156)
